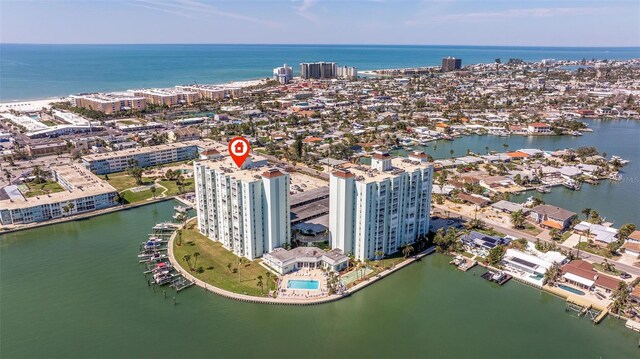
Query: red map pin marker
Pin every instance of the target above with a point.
(239, 148)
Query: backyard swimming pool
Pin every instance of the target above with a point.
(569, 289)
(303, 284)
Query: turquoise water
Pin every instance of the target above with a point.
(40, 71)
(570, 289)
(302, 284)
(75, 290)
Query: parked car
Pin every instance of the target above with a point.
(625, 275)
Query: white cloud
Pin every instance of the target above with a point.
(506, 14)
(189, 8)
(304, 10)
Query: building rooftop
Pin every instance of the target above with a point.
(253, 171)
(150, 149)
(83, 183)
(367, 174)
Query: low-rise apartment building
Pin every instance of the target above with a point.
(84, 192)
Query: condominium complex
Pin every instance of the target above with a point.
(169, 97)
(109, 103)
(318, 70)
(451, 64)
(347, 72)
(247, 209)
(117, 161)
(84, 192)
(213, 92)
(283, 74)
(380, 209)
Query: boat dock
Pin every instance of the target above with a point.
(633, 325)
(586, 308)
(463, 263)
(500, 277)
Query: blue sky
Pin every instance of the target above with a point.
(534, 23)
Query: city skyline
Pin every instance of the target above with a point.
(529, 23)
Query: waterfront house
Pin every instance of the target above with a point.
(482, 242)
(552, 216)
(285, 261)
(538, 127)
(532, 264)
(597, 232)
(581, 273)
(509, 207)
(478, 200)
(632, 248)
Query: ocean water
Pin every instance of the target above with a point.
(42, 71)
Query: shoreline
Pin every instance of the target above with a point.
(284, 301)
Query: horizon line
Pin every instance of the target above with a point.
(321, 44)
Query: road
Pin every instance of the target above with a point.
(589, 257)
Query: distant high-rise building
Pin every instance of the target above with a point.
(347, 72)
(382, 208)
(451, 64)
(318, 70)
(283, 74)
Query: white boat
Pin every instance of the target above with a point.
(496, 277)
(543, 189)
(571, 184)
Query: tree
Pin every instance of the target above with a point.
(260, 284)
(406, 250)
(229, 265)
(518, 219)
(620, 298)
(187, 258)
(475, 223)
(505, 145)
(169, 175)
(153, 191)
(38, 173)
(136, 172)
(195, 259)
(625, 231)
(495, 255)
(71, 206)
(587, 213)
(552, 274)
(65, 209)
(451, 152)
(268, 274)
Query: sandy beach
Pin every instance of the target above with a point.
(29, 106)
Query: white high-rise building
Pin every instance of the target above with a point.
(347, 72)
(382, 208)
(247, 209)
(283, 74)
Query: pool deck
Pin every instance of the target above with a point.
(287, 300)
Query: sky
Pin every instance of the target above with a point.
(451, 22)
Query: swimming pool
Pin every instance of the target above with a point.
(569, 289)
(303, 284)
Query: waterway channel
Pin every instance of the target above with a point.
(75, 290)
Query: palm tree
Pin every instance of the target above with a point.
(486, 149)
(65, 209)
(406, 250)
(505, 146)
(586, 212)
(229, 265)
(195, 259)
(268, 274)
(260, 284)
(552, 274)
(153, 191)
(451, 152)
(517, 219)
(187, 258)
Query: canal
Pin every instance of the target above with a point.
(617, 201)
(75, 290)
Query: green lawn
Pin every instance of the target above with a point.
(600, 268)
(214, 260)
(122, 181)
(49, 123)
(42, 188)
(133, 197)
(531, 229)
(172, 187)
(585, 246)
